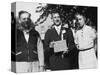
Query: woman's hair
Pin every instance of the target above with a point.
(82, 14)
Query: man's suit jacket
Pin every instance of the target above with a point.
(28, 50)
(52, 35)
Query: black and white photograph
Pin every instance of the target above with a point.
(53, 37)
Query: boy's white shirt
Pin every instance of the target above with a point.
(58, 28)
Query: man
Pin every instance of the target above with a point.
(85, 37)
(64, 59)
(29, 55)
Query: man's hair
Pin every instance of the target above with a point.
(54, 12)
(22, 11)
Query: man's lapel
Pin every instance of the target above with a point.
(56, 34)
(22, 37)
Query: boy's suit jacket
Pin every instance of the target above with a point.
(52, 35)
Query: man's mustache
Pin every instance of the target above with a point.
(57, 20)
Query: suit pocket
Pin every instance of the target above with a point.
(18, 53)
(35, 52)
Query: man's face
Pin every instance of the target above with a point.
(56, 19)
(25, 20)
(80, 20)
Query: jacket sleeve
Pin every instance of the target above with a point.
(47, 41)
(70, 40)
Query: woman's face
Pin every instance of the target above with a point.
(80, 20)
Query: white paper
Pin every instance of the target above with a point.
(60, 46)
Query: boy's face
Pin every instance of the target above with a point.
(56, 19)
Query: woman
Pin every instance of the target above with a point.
(84, 39)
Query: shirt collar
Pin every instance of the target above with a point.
(26, 31)
(57, 27)
(84, 27)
